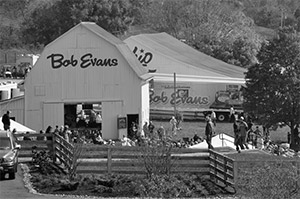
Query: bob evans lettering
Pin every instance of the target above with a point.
(86, 60)
(163, 98)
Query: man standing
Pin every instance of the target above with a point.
(243, 128)
(231, 115)
(213, 117)
(237, 137)
(99, 121)
(209, 132)
(173, 123)
(145, 129)
(6, 121)
(151, 128)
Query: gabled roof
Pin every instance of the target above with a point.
(119, 44)
(190, 58)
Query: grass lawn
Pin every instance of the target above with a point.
(188, 129)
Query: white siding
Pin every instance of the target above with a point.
(111, 111)
(53, 114)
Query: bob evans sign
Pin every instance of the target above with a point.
(185, 97)
(86, 60)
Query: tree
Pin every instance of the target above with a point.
(11, 13)
(273, 85)
(272, 13)
(49, 19)
(212, 27)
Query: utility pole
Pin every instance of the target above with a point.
(174, 94)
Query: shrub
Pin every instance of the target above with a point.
(274, 180)
(156, 156)
(173, 186)
(42, 160)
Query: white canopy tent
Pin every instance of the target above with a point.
(20, 128)
(220, 140)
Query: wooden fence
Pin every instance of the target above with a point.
(129, 160)
(102, 159)
(222, 168)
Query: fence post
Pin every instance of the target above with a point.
(235, 171)
(53, 147)
(109, 159)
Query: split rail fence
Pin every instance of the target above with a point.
(102, 159)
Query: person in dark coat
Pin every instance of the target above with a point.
(209, 132)
(6, 121)
(237, 137)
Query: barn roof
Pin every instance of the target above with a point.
(119, 44)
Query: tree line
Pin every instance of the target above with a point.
(224, 29)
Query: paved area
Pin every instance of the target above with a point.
(15, 189)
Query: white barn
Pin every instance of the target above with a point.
(86, 67)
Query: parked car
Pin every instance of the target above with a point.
(9, 152)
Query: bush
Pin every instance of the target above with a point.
(173, 186)
(156, 155)
(274, 180)
(158, 186)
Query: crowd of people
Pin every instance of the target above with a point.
(245, 132)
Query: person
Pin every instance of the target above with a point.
(243, 131)
(67, 133)
(6, 121)
(296, 137)
(41, 138)
(145, 129)
(209, 132)
(99, 121)
(126, 141)
(173, 123)
(98, 139)
(56, 130)
(49, 131)
(14, 131)
(256, 133)
(133, 130)
(237, 137)
(61, 131)
(161, 132)
(196, 138)
(213, 117)
(231, 115)
(259, 138)
(27, 138)
(179, 119)
(151, 127)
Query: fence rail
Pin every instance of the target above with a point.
(122, 159)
